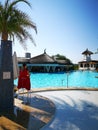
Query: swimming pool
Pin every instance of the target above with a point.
(82, 79)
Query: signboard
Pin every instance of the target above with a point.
(6, 75)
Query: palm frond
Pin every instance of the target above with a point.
(18, 1)
(14, 22)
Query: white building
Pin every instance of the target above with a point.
(87, 63)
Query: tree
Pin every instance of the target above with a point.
(13, 23)
(62, 57)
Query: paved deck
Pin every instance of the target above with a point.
(31, 112)
(75, 110)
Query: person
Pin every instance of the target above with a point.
(24, 78)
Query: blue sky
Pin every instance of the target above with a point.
(66, 27)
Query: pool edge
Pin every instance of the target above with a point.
(61, 89)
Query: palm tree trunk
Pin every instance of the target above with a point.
(4, 35)
(6, 76)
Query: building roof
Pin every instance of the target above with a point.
(23, 60)
(42, 59)
(92, 61)
(87, 52)
(62, 62)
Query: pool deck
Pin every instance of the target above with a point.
(55, 109)
(75, 110)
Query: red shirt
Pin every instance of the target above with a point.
(24, 79)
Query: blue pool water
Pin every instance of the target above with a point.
(82, 79)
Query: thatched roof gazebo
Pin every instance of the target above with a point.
(44, 63)
(42, 59)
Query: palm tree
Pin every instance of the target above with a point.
(13, 23)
